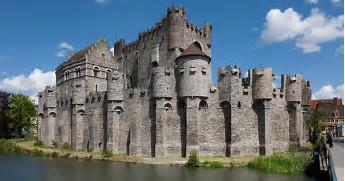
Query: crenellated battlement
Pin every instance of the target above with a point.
(153, 97)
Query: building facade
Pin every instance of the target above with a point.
(334, 108)
(154, 97)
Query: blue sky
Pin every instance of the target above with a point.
(294, 36)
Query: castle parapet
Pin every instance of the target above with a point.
(262, 83)
(306, 93)
(293, 88)
(50, 94)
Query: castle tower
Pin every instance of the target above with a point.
(262, 94)
(115, 86)
(79, 125)
(207, 28)
(40, 116)
(193, 86)
(176, 23)
(50, 106)
(162, 94)
(293, 90)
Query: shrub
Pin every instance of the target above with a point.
(107, 154)
(193, 160)
(55, 144)
(281, 163)
(55, 154)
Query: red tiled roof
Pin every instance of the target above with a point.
(193, 50)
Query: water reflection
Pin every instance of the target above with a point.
(28, 168)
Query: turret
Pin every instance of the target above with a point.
(306, 93)
(78, 94)
(161, 82)
(115, 86)
(207, 28)
(50, 97)
(176, 23)
(293, 88)
(119, 47)
(262, 83)
(193, 69)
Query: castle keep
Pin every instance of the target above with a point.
(153, 97)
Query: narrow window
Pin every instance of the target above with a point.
(96, 87)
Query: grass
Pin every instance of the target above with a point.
(107, 154)
(288, 163)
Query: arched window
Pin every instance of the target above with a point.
(77, 72)
(203, 105)
(96, 71)
(52, 114)
(167, 106)
(108, 73)
(118, 109)
(155, 64)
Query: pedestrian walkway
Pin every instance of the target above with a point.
(337, 158)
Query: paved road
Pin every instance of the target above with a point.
(338, 157)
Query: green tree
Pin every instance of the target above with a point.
(22, 113)
(315, 119)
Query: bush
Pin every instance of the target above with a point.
(193, 160)
(55, 154)
(107, 154)
(55, 144)
(281, 163)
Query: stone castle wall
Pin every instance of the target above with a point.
(147, 100)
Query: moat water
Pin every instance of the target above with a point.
(28, 168)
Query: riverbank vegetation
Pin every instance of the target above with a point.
(289, 162)
(17, 115)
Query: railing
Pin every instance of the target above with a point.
(331, 167)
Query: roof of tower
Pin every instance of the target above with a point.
(193, 50)
(79, 54)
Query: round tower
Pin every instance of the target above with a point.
(115, 85)
(262, 83)
(193, 72)
(161, 82)
(176, 23)
(293, 89)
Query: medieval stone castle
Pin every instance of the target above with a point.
(153, 97)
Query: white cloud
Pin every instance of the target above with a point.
(308, 33)
(64, 48)
(312, 1)
(30, 84)
(337, 2)
(101, 1)
(329, 92)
